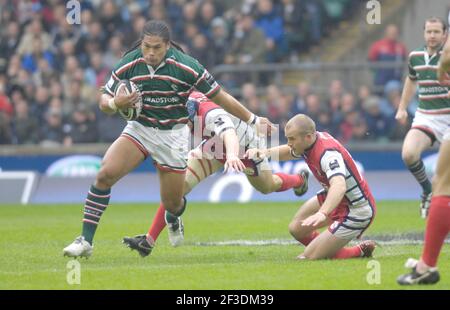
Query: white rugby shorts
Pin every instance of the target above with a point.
(434, 125)
(168, 148)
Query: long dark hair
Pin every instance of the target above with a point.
(155, 28)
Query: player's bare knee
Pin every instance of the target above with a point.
(292, 228)
(105, 178)
(410, 157)
(295, 229)
(264, 190)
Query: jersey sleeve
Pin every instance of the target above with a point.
(332, 163)
(120, 72)
(217, 121)
(205, 82)
(412, 74)
(110, 86)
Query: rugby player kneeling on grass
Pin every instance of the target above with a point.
(345, 204)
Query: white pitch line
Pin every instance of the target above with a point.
(400, 241)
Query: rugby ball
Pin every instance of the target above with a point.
(126, 87)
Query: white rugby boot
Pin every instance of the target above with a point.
(78, 248)
(176, 231)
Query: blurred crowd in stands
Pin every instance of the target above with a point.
(51, 71)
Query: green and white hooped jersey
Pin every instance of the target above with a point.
(433, 97)
(165, 90)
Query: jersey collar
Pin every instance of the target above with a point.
(169, 54)
(427, 57)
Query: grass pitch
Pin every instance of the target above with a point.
(32, 238)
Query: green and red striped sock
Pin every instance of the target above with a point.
(96, 203)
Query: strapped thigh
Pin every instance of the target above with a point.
(199, 169)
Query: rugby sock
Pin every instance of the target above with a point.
(418, 170)
(171, 217)
(96, 203)
(438, 226)
(158, 223)
(307, 240)
(289, 181)
(349, 252)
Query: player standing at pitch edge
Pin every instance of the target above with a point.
(345, 204)
(424, 271)
(165, 77)
(433, 114)
(223, 136)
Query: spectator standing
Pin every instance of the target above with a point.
(389, 49)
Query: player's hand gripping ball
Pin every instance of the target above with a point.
(132, 112)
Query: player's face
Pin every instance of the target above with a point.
(154, 49)
(297, 141)
(434, 35)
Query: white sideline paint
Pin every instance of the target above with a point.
(402, 241)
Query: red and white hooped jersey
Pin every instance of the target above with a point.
(213, 120)
(326, 158)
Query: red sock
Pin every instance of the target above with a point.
(438, 226)
(307, 240)
(289, 181)
(158, 223)
(349, 252)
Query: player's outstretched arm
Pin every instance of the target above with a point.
(234, 107)
(231, 142)
(278, 153)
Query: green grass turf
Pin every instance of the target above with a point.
(32, 238)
